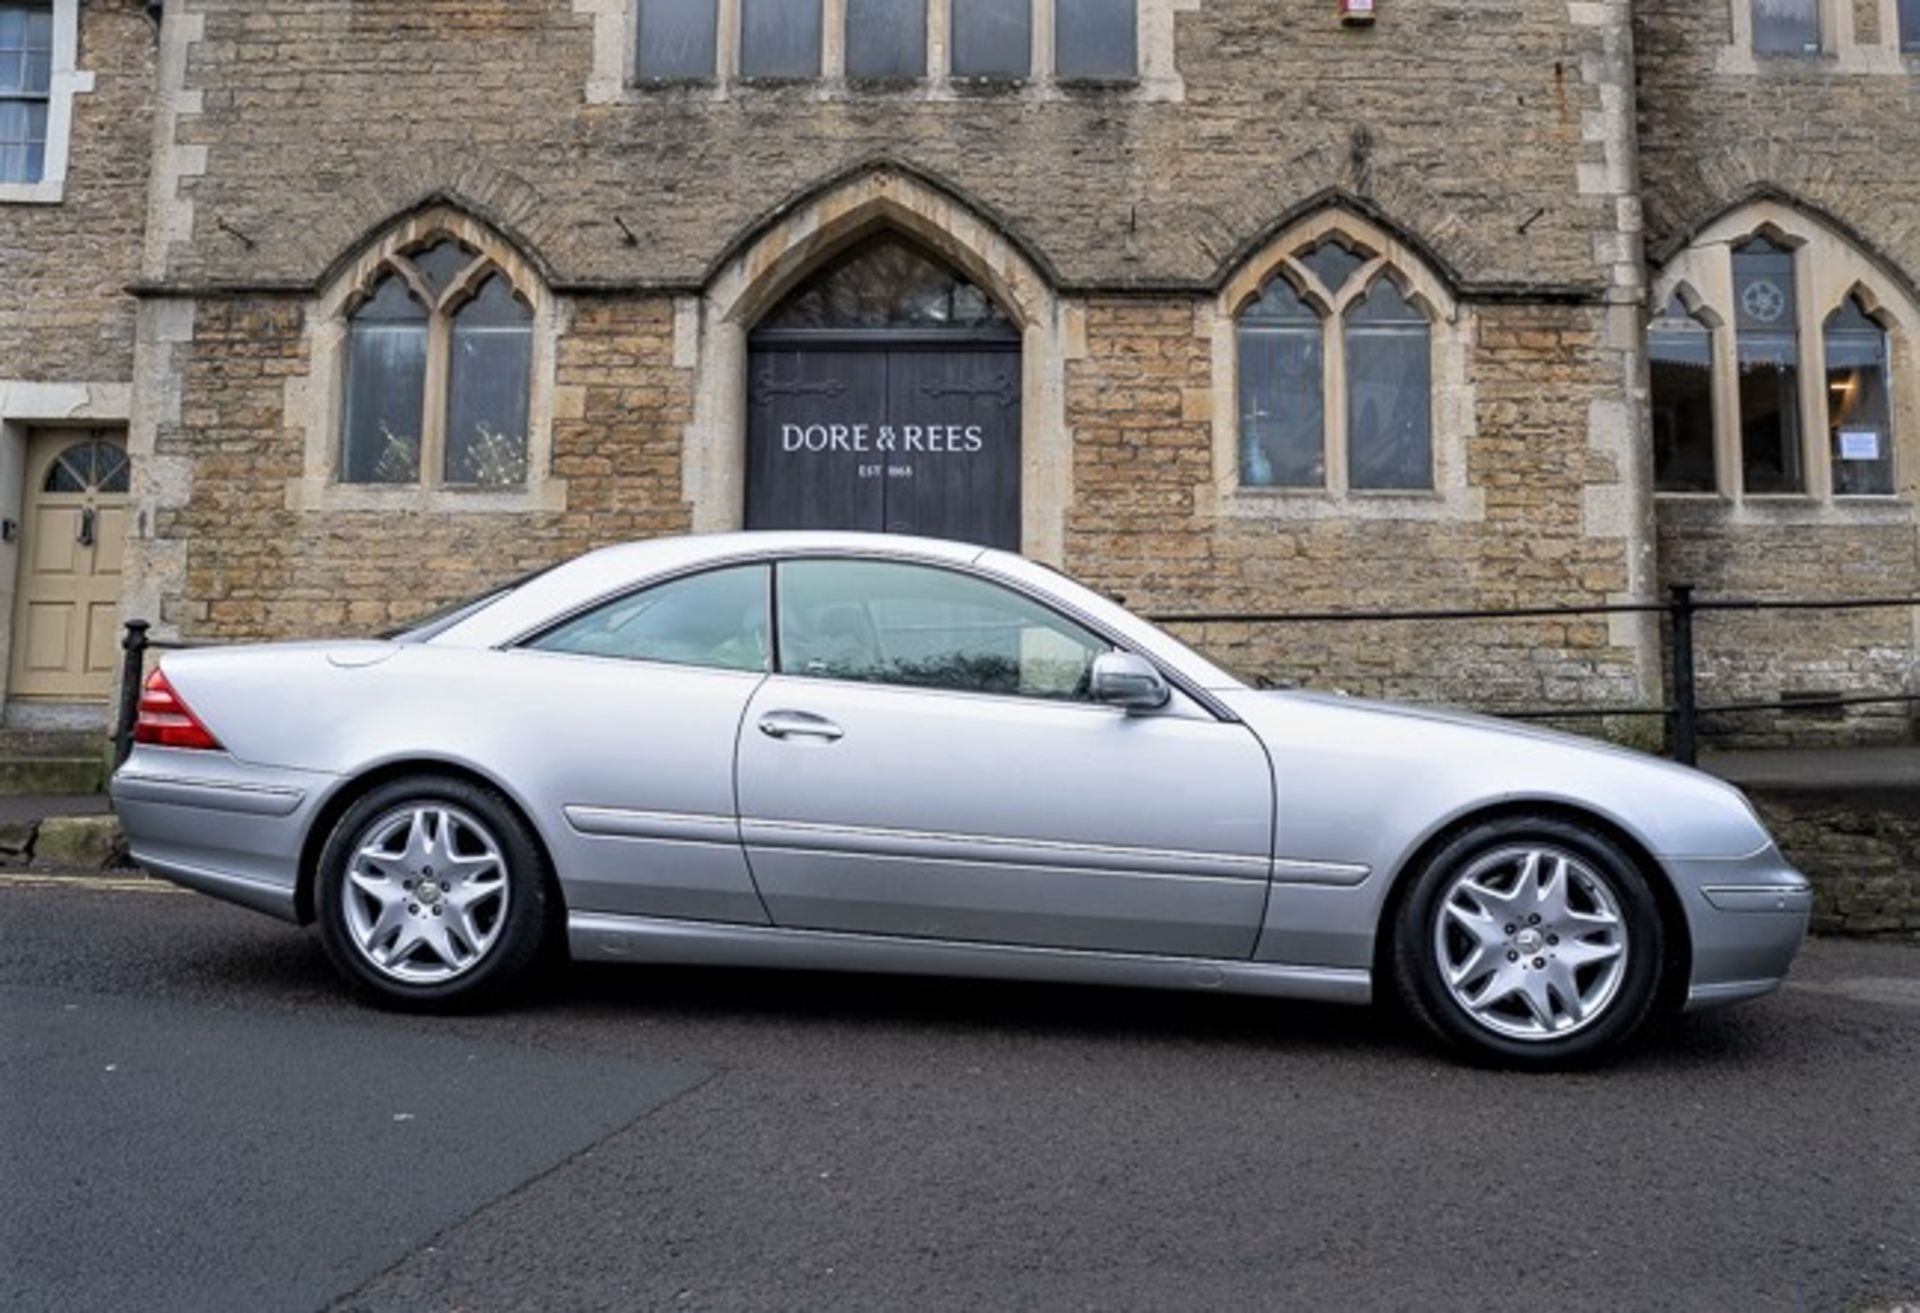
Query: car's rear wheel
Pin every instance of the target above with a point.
(1530, 941)
(432, 893)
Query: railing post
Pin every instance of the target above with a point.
(1686, 744)
(133, 669)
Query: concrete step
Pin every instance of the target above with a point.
(24, 775)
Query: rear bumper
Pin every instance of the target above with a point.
(1747, 918)
(218, 825)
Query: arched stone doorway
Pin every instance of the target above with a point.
(884, 393)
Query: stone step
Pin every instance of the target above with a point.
(17, 744)
(51, 775)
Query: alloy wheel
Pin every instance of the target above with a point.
(1531, 942)
(425, 893)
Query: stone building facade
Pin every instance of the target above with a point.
(1241, 309)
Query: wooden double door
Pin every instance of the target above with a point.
(887, 431)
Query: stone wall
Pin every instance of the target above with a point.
(321, 118)
(1857, 847)
(1149, 526)
(253, 568)
(64, 315)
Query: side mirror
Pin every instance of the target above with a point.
(1121, 679)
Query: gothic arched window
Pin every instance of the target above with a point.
(1335, 385)
(439, 365)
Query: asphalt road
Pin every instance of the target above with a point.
(192, 1115)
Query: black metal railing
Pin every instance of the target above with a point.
(136, 641)
(1681, 712)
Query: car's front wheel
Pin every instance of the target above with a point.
(1530, 942)
(431, 893)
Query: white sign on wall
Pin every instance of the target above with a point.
(1859, 444)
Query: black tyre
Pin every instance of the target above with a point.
(432, 895)
(1529, 942)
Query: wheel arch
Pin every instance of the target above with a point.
(1678, 967)
(357, 786)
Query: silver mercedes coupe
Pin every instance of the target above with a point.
(883, 754)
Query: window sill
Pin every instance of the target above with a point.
(1776, 509)
(48, 191)
(326, 495)
(1414, 504)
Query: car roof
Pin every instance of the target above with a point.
(609, 570)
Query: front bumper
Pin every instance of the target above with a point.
(1747, 917)
(222, 826)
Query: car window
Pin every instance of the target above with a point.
(717, 619)
(421, 629)
(907, 624)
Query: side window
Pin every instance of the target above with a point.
(928, 628)
(717, 619)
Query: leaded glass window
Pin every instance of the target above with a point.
(1389, 391)
(677, 40)
(1282, 391)
(1335, 376)
(1767, 319)
(780, 39)
(438, 372)
(992, 38)
(26, 88)
(1786, 27)
(887, 282)
(886, 39)
(1680, 355)
(386, 385)
(1333, 263)
(1095, 39)
(487, 390)
(1859, 403)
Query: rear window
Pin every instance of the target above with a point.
(438, 621)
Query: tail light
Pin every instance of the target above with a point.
(166, 721)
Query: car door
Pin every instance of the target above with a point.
(638, 701)
(925, 762)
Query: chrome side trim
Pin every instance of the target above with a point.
(273, 899)
(211, 794)
(1760, 897)
(984, 849)
(604, 937)
(1297, 870)
(677, 827)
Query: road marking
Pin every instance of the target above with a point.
(136, 884)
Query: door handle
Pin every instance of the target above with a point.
(798, 724)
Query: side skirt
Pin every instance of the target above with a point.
(602, 937)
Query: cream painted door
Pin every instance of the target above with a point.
(73, 542)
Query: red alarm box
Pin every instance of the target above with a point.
(1356, 13)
